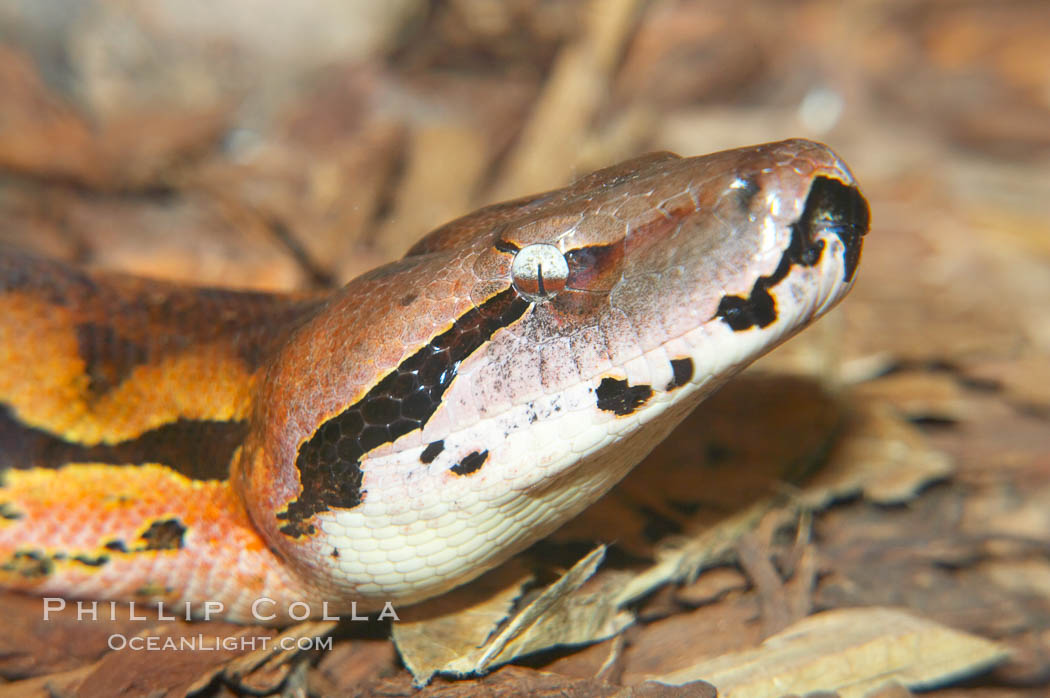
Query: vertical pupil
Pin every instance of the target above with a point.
(539, 271)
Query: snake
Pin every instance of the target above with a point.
(387, 441)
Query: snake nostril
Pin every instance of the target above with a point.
(744, 189)
(834, 207)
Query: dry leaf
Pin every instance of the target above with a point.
(919, 394)
(850, 651)
(459, 642)
(437, 634)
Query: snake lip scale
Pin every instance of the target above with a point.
(390, 440)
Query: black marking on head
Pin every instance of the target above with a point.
(329, 462)
(471, 463)
(433, 449)
(682, 373)
(116, 546)
(164, 535)
(31, 564)
(335, 553)
(618, 397)
(91, 561)
(200, 450)
(831, 206)
(408, 299)
(108, 357)
(507, 246)
(758, 309)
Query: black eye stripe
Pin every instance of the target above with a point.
(329, 462)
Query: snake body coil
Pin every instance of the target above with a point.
(397, 437)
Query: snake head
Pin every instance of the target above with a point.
(444, 411)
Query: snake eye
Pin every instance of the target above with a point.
(539, 272)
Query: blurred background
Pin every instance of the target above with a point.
(282, 145)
